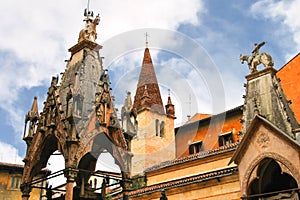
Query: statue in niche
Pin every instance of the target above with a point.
(257, 58)
(102, 97)
(51, 105)
(53, 116)
(77, 106)
(126, 113)
(42, 121)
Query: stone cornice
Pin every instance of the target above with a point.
(262, 72)
(83, 44)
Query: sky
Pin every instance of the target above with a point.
(195, 46)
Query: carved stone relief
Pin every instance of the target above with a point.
(263, 139)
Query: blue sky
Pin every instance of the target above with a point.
(35, 37)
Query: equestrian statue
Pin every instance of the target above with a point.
(257, 58)
(89, 32)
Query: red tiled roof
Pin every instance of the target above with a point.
(17, 166)
(185, 181)
(147, 87)
(222, 149)
(226, 113)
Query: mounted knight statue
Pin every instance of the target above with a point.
(89, 32)
(257, 58)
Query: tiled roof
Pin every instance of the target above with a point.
(197, 117)
(207, 119)
(185, 181)
(4, 165)
(147, 93)
(222, 149)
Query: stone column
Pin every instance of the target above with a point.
(126, 184)
(25, 189)
(70, 174)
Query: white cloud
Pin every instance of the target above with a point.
(287, 14)
(9, 154)
(188, 84)
(189, 91)
(36, 35)
(120, 16)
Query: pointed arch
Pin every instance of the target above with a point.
(99, 144)
(45, 146)
(267, 163)
(270, 178)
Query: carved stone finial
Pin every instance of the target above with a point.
(257, 58)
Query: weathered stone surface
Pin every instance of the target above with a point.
(264, 96)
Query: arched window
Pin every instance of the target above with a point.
(162, 129)
(272, 183)
(156, 127)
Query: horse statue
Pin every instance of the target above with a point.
(256, 59)
(89, 32)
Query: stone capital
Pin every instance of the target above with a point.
(25, 189)
(71, 174)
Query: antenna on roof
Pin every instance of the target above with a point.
(190, 105)
(87, 10)
(147, 35)
(88, 5)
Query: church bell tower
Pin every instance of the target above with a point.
(154, 139)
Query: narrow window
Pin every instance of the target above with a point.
(225, 139)
(156, 127)
(195, 147)
(15, 182)
(162, 129)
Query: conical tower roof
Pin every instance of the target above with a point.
(34, 111)
(148, 81)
